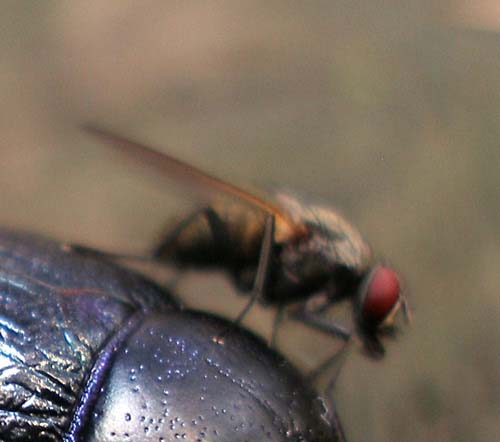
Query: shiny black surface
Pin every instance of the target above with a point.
(90, 351)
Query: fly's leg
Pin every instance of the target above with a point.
(259, 285)
(221, 237)
(278, 319)
(100, 254)
(311, 313)
(407, 311)
(314, 318)
(333, 366)
(214, 221)
(163, 248)
(261, 275)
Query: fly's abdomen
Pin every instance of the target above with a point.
(223, 235)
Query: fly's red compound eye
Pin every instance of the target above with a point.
(382, 294)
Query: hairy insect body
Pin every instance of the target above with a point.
(329, 253)
(280, 252)
(336, 238)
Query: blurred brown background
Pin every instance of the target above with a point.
(390, 110)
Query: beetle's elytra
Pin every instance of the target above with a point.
(90, 351)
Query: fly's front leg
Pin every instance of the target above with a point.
(308, 313)
(313, 316)
(333, 366)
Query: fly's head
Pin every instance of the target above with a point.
(377, 304)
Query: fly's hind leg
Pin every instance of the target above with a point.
(90, 252)
(162, 249)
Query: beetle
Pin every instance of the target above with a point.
(302, 257)
(92, 351)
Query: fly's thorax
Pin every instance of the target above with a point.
(331, 233)
(296, 274)
(306, 266)
(331, 256)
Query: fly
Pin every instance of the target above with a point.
(298, 257)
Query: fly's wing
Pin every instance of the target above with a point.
(203, 182)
